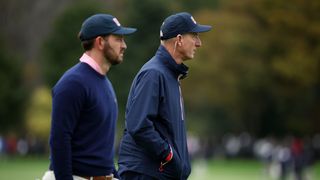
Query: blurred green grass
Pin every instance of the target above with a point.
(226, 170)
(242, 169)
(26, 168)
(32, 168)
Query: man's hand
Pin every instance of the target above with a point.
(166, 160)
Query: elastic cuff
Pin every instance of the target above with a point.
(169, 156)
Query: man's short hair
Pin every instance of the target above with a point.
(87, 44)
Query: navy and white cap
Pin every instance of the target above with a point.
(180, 23)
(102, 24)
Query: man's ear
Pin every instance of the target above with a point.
(99, 42)
(179, 39)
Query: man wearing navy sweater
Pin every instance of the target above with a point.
(84, 107)
(154, 142)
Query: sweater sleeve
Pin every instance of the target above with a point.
(67, 101)
(143, 110)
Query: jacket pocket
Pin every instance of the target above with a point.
(173, 169)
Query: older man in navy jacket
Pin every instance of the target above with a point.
(154, 143)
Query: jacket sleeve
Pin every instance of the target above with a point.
(66, 105)
(142, 110)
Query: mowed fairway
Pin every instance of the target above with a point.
(23, 168)
(33, 168)
(227, 170)
(243, 170)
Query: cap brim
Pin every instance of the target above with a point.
(125, 31)
(201, 28)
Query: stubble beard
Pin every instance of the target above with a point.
(111, 55)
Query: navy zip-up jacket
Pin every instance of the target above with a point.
(155, 120)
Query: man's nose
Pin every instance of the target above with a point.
(124, 45)
(198, 42)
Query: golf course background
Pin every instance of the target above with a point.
(253, 87)
(32, 168)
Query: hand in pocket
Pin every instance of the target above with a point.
(172, 168)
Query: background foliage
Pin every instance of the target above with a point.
(257, 71)
(12, 90)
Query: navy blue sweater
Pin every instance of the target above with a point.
(83, 124)
(154, 119)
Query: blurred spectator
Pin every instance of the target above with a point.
(246, 145)
(11, 144)
(316, 145)
(282, 157)
(231, 145)
(22, 146)
(1, 145)
(208, 147)
(298, 157)
(263, 150)
(193, 145)
(310, 157)
(36, 146)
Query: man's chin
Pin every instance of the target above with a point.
(189, 57)
(118, 61)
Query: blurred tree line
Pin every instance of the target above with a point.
(257, 71)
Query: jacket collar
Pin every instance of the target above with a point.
(180, 70)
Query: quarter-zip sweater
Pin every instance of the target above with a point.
(84, 117)
(155, 120)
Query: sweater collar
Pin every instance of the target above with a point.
(180, 70)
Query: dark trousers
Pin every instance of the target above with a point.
(130, 175)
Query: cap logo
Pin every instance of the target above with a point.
(194, 21)
(116, 21)
(161, 33)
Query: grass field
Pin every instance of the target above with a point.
(27, 168)
(32, 168)
(243, 170)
